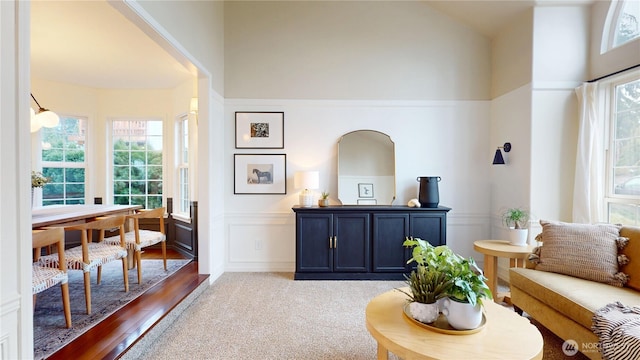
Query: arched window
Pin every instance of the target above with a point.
(622, 24)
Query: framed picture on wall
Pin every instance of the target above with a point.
(260, 174)
(365, 190)
(259, 130)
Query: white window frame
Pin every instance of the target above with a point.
(181, 204)
(111, 155)
(611, 27)
(609, 100)
(69, 165)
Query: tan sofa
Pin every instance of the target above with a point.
(566, 304)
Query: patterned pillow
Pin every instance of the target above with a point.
(632, 252)
(581, 250)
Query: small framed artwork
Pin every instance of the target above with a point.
(365, 190)
(259, 130)
(260, 174)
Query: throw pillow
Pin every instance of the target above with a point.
(632, 252)
(581, 250)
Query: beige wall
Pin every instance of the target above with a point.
(511, 54)
(352, 50)
(199, 27)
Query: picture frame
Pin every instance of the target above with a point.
(259, 130)
(365, 190)
(260, 174)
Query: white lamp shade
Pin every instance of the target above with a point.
(35, 122)
(48, 119)
(306, 180)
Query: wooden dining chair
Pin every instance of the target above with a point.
(137, 238)
(91, 255)
(47, 277)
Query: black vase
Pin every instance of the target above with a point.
(429, 196)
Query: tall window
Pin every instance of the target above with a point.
(623, 189)
(137, 163)
(63, 161)
(183, 165)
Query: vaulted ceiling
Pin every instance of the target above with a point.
(90, 43)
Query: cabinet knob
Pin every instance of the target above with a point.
(335, 242)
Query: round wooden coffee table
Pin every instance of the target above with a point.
(492, 250)
(506, 334)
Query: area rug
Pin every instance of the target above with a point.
(49, 330)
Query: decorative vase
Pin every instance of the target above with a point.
(425, 313)
(518, 237)
(323, 202)
(429, 196)
(461, 315)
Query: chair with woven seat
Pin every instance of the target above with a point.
(91, 255)
(46, 277)
(137, 239)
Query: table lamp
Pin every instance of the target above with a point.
(307, 180)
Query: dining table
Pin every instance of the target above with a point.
(56, 215)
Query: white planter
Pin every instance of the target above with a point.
(461, 315)
(518, 237)
(425, 313)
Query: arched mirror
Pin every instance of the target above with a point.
(366, 168)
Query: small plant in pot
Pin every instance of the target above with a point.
(463, 306)
(324, 199)
(517, 220)
(427, 284)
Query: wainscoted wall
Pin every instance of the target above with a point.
(266, 242)
(260, 242)
(432, 138)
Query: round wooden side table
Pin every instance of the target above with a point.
(492, 250)
(505, 336)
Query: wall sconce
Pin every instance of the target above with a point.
(193, 105)
(498, 159)
(307, 180)
(44, 117)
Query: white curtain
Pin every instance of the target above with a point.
(588, 196)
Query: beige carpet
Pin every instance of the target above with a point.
(270, 316)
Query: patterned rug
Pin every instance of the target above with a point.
(49, 330)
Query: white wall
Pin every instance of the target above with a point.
(447, 139)
(561, 43)
(16, 319)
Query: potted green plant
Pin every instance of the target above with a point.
(463, 305)
(38, 180)
(461, 283)
(324, 199)
(427, 283)
(517, 220)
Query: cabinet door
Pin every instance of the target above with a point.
(351, 247)
(431, 227)
(313, 244)
(389, 232)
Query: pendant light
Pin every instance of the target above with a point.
(44, 117)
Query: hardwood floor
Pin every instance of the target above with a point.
(115, 334)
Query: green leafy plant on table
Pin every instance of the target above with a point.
(442, 273)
